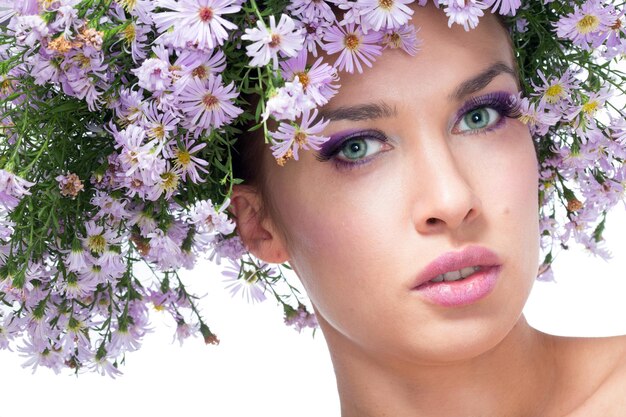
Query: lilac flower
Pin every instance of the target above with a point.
(211, 220)
(241, 279)
(232, 248)
(537, 117)
(288, 102)
(585, 24)
(504, 7)
(313, 33)
(311, 10)
(385, 14)
(556, 89)
(463, 12)
(98, 238)
(521, 25)
(288, 139)
(201, 64)
(198, 22)
(78, 258)
(30, 30)
(164, 250)
(317, 81)
(154, 75)
(594, 102)
(354, 45)
(208, 104)
(160, 125)
(300, 318)
(186, 163)
(285, 38)
(404, 37)
(166, 185)
(12, 189)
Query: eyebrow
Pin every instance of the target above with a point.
(482, 80)
(382, 110)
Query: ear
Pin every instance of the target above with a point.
(255, 227)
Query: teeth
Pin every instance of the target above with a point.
(456, 275)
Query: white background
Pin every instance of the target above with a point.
(263, 368)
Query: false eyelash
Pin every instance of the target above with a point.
(327, 154)
(505, 103)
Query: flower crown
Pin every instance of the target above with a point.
(118, 125)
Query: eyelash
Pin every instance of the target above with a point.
(503, 103)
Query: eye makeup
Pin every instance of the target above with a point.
(505, 103)
(336, 142)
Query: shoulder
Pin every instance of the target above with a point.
(593, 375)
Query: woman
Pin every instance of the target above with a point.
(428, 171)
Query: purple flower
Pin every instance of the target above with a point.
(317, 81)
(463, 12)
(186, 163)
(504, 7)
(300, 318)
(537, 117)
(585, 24)
(388, 14)
(288, 101)
(211, 220)
(288, 139)
(29, 30)
(285, 38)
(198, 22)
(404, 37)
(154, 75)
(12, 189)
(245, 280)
(208, 104)
(354, 45)
(311, 10)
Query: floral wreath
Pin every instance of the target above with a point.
(118, 125)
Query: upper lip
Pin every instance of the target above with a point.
(454, 261)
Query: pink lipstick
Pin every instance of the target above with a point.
(459, 278)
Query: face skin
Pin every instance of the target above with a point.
(358, 237)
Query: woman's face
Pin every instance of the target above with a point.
(448, 176)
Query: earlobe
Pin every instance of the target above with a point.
(255, 227)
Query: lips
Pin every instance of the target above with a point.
(454, 261)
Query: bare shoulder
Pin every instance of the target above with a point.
(593, 375)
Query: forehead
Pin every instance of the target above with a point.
(446, 57)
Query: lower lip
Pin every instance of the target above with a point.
(462, 292)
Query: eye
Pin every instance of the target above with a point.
(355, 149)
(478, 119)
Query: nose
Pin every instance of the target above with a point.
(446, 198)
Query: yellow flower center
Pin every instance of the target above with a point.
(589, 23)
(554, 93)
(128, 5)
(170, 180)
(591, 107)
(275, 42)
(183, 157)
(304, 79)
(157, 132)
(96, 243)
(385, 4)
(129, 33)
(210, 101)
(200, 72)
(351, 41)
(300, 138)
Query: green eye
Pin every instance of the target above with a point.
(477, 119)
(354, 149)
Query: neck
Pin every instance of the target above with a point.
(515, 378)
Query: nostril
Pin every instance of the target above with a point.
(431, 221)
